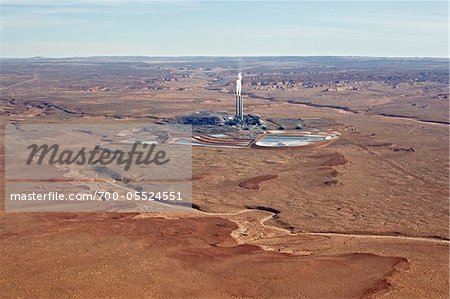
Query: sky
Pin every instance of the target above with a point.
(66, 28)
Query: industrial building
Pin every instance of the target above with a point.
(203, 118)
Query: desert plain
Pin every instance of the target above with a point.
(365, 216)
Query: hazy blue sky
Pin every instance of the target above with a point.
(62, 28)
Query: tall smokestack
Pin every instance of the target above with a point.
(239, 104)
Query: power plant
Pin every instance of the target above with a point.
(224, 119)
(223, 129)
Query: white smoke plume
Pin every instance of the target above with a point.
(239, 84)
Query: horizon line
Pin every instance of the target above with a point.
(222, 56)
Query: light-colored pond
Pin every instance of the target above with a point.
(286, 141)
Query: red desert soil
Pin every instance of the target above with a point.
(199, 176)
(254, 183)
(333, 159)
(116, 255)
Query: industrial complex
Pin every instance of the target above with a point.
(222, 129)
